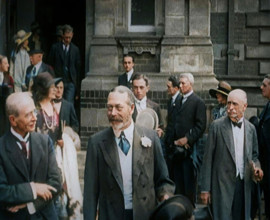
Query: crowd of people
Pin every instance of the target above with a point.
(132, 170)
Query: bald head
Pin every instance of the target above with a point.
(236, 104)
(16, 101)
(21, 112)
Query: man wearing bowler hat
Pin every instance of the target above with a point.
(37, 66)
(221, 94)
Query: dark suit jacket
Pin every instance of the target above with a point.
(190, 119)
(56, 59)
(43, 68)
(171, 120)
(155, 107)
(103, 176)
(218, 171)
(68, 114)
(122, 80)
(264, 143)
(15, 178)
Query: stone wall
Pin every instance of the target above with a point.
(251, 38)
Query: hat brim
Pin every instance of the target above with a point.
(213, 92)
(176, 198)
(147, 118)
(20, 41)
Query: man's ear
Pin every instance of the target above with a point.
(12, 120)
(132, 108)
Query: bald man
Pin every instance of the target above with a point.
(230, 162)
(29, 176)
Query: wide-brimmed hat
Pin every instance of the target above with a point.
(176, 207)
(21, 36)
(147, 118)
(223, 88)
(44, 80)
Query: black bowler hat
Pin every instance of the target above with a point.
(35, 51)
(177, 207)
(223, 88)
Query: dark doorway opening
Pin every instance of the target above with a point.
(50, 13)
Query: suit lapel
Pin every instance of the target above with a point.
(247, 135)
(36, 154)
(110, 153)
(228, 137)
(138, 155)
(186, 103)
(15, 155)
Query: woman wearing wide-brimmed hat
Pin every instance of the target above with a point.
(20, 59)
(221, 94)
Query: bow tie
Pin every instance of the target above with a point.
(57, 100)
(238, 124)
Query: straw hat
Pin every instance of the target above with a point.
(147, 118)
(223, 88)
(21, 36)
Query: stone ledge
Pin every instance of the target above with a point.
(258, 19)
(188, 41)
(258, 51)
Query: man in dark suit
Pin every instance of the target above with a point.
(125, 173)
(29, 176)
(37, 66)
(264, 143)
(230, 162)
(190, 123)
(125, 78)
(140, 88)
(65, 59)
(64, 108)
(173, 107)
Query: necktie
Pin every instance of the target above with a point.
(24, 149)
(57, 100)
(34, 71)
(124, 144)
(238, 124)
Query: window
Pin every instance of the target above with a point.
(141, 15)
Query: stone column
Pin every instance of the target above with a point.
(186, 46)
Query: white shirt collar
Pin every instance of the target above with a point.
(175, 95)
(1, 77)
(188, 94)
(38, 66)
(129, 74)
(19, 136)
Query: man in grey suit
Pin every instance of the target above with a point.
(29, 176)
(37, 66)
(125, 173)
(140, 88)
(231, 162)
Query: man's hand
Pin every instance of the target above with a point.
(258, 174)
(183, 142)
(159, 132)
(60, 143)
(164, 197)
(16, 208)
(44, 191)
(206, 198)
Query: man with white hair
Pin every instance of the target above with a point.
(231, 162)
(190, 123)
(29, 176)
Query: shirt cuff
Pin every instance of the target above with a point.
(31, 208)
(32, 184)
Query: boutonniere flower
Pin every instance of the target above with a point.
(146, 142)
